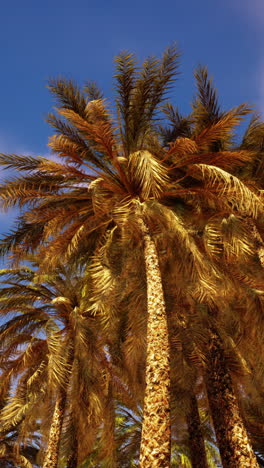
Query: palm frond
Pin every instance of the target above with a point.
(67, 93)
(99, 134)
(206, 108)
(179, 126)
(21, 163)
(92, 91)
(222, 129)
(147, 174)
(234, 193)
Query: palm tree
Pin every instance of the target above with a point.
(120, 164)
(119, 177)
(227, 238)
(59, 359)
(197, 446)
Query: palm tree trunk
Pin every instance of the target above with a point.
(108, 452)
(72, 461)
(233, 442)
(196, 440)
(155, 439)
(52, 453)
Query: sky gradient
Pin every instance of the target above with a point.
(80, 39)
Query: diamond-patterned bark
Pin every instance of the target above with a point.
(155, 439)
(51, 458)
(233, 442)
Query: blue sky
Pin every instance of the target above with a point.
(39, 40)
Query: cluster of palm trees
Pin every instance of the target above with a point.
(132, 306)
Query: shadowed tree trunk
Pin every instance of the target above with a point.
(155, 440)
(233, 442)
(196, 440)
(52, 453)
(72, 461)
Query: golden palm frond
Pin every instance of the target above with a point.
(229, 189)
(147, 175)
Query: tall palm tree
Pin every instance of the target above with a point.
(127, 176)
(119, 177)
(222, 230)
(59, 358)
(197, 446)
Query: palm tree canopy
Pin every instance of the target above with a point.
(50, 342)
(110, 168)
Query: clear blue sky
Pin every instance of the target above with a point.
(39, 40)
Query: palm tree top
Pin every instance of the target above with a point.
(111, 167)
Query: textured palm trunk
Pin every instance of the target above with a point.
(52, 453)
(233, 442)
(196, 440)
(155, 439)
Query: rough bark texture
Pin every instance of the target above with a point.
(196, 440)
(233, 442)
(155, 440)
(51, 457)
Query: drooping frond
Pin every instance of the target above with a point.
(228, 238)
(229, 189)
(184, 152)
(104, 281)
